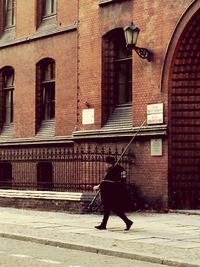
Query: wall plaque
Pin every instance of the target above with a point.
(155, 113)
(88, 116)
(156, 147)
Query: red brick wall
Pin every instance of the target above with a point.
(67, 12)
(157, 21)
(78, 83)
(95, 21)
(26, 21)
(24, 57)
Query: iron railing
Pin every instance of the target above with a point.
(58, 169)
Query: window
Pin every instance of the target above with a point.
(8, 88)
(46, 14)
(9, 17)
(117, 71)
(48, 90)
(45, 91)
(48, 8)
(6, 95)
(123, 73)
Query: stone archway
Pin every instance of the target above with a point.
(184, 115)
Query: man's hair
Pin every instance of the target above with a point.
(110, 160)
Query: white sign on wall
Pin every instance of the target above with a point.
(156, 147)
(155, 113)
(88, 116)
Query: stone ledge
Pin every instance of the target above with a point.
(72, 196)
(145, 131)
(105, 2)
(39, 35)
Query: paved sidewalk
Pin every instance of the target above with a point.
(170, 239)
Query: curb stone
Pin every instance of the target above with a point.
(99, 250)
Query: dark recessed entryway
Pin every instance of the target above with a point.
(184, 119)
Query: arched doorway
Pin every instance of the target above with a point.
(184, 118)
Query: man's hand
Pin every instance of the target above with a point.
(96, 187)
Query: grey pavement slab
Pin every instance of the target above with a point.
(171, 238)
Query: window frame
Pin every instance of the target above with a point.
(45, 91)
(119, 61)
(111, 71)
(7, 92)
(48, 8)
(9, 14)
(48, 90)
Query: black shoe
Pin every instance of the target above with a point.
(100, 227)
(128, 225)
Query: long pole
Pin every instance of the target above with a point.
(124, 151)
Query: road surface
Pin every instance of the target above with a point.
(28, 254)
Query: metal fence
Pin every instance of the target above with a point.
(57, 169)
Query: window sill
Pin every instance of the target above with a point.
(38, 35)
(53, 15)
(47, 23)
(8, 35)
(7, 131)
(106, 2)
(146, 131)
(9, 28)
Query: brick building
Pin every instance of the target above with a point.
(71, 92)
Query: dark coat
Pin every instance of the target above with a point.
(113, 188)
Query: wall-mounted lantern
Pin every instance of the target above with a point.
(131, 33)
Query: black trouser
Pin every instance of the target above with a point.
(118, 212)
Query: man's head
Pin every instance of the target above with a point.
(110, 160)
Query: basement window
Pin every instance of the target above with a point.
(44, 176)
(5, 175)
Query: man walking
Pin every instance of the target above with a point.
(113, 193)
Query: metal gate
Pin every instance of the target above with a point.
(184, 120)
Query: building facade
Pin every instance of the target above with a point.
(72, 92)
